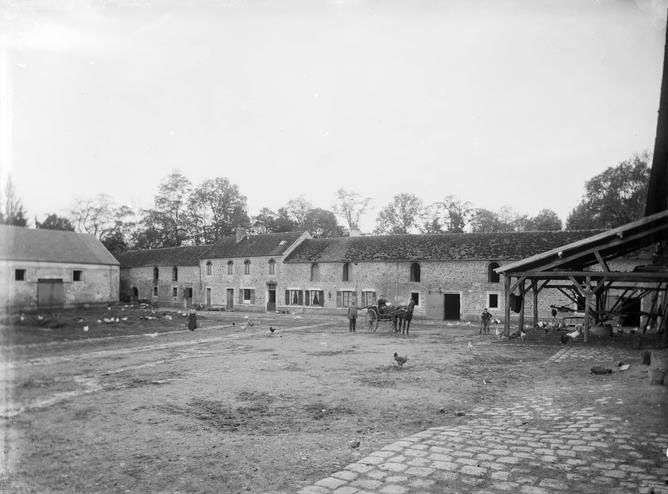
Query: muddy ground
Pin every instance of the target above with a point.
(144, 405)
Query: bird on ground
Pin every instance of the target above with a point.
(85, 329)
(271, 330)
(400, 360)
(470, 346)
(243, 327)
(523, 335)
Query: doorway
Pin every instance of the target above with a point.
(271, 298)
(208, 297)
(451, 307)
(50, 293)
(230, 299)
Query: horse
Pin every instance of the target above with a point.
(403, 318)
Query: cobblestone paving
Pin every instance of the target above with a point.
(532, 447)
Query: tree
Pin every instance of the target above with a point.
(486, 221)
(12, 212)
(171, 203)
(217, 209)
(55, 222)
(545, 221)
(614, 197)
(322, 223)
(400, 216)
(94, 216)
(351, 206)
(297, 210)
(449, 215)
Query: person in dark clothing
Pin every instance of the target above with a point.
(192, 320)
(485, 318)
(352, 316)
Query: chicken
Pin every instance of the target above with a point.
(523, 335)
(271, 330)
(470, 346)
(400, 360)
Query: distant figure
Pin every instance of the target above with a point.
(382, 304)
(192, 320)
(352, 316)
(485, 317)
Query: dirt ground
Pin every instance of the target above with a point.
(144, 405)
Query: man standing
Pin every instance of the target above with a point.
(352, 316)
(485, 318)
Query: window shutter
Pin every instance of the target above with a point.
(287, 297)
(252, 296)
(321, 298)
(301, 297)
(241, 295)
(338, 299)
(307, 297)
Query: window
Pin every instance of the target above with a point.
(77, 275)
(415, 297)
(175, 292)
(230, 267)
(208, 268)
(247, 266)
(20, 275)
(346, 272)
(315, 272)
(247, 296)
(314, 297)
(156, 274)
(368, 298)
(294, 297)
(155, 291)
(175, 274)
(272, 266)
(492, 276)
(415, 272)
(344, 298)
(493, 300)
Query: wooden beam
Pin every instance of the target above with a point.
(588, 293)
(632, 276)
(534, 289)
(517, 283)
(601, 261)
(521, 321)
(506, 321)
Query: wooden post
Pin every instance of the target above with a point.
(587, 294)
(521, 322)
(506, 321)
(534, 287)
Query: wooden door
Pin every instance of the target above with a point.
(208, 297)
(271, 300)
(50, 293)
(230, 299)
(451, 307)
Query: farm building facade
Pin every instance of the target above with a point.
(449, 276)
(46, 269)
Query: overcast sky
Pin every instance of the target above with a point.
(497, 102)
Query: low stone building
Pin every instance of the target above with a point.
(48, 269)
(245, 272)
(169, 277)
(448, 276)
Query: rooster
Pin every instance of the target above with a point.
(400, 360)
(271, 330)
(523, 335)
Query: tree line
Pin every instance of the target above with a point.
(187, 214)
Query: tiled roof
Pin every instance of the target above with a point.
(29, 244)
(168, 256)
(268, 244)
(447, 247)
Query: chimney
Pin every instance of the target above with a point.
(355, 232)
(240, 233)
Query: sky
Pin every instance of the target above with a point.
(497, 102)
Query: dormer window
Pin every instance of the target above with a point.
(492, 276)
(415, 272)
(346, 272)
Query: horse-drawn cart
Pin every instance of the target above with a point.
(374, 315)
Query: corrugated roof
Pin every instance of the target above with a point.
(268, 244)
(447, 247)
(29, 244)
(168, 256)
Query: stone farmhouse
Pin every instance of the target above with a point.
(449, 277)
(168, 277)
(49, 269)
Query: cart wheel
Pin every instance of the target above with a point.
(372, 320)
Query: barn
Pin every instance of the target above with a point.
(50, 269)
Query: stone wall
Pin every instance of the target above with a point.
(142, 279)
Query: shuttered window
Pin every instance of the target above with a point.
(294, 297)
